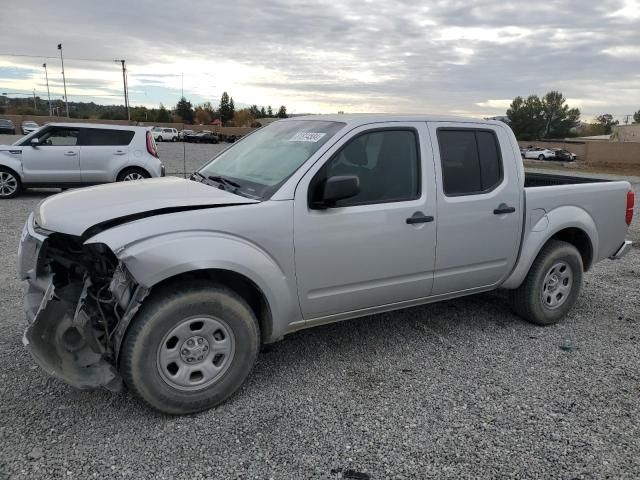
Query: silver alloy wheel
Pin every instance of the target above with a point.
(131, 176)
(196, 353)
(557, 285)
(8, 184)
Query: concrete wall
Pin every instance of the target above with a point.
(41, 120)
(597, 153)
(626, 133)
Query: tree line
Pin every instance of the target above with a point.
(184, 111)
(533, 117)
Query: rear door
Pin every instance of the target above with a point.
(479, 206)
(55, 160)
(104, 153)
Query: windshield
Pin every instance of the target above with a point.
(263, 160)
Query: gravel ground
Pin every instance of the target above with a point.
(459, 389)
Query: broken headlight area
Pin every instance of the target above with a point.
(79, 304)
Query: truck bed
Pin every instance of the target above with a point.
(550, 179)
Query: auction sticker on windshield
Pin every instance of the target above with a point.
(307, 137)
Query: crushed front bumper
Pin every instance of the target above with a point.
(60, 336)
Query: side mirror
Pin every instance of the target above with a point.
(338, 188)
(34, 142)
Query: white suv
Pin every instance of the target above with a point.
(69, 155)
(164, 134)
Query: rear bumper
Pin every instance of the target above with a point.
(623, 250)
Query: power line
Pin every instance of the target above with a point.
(49, 56)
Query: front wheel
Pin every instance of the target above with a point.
(190, 347)
(10, 185)
(541, 157)
(552, 285)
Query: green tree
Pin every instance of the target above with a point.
(254, 111)
(184, 110)
(263, 113)
(163, 115)
(559, 119)
(226, 114)
(636, 117)
(232, 108)
(526, 117)
(282, 112)
(269, 111)
(606, 123)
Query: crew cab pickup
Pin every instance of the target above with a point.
(172, 285)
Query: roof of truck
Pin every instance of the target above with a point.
(363, 118)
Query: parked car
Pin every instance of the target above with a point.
(564, 155)
(540, 153)
(71, 155)
(29, 126)
(7, 126)
(208, 137)
(172, 285)
(191, 137)
(182, 134)
(162, 134)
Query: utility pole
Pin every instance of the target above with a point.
(124, 84)
(64, 81)
(46, 76)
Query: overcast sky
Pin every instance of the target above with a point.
(458, 57)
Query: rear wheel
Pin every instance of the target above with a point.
(190, 348)
(159, 139)
(10, 185)
(131, 174)
(552, 285)
(540, 157)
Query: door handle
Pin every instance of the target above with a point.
(504, 208)
(119, 152)
(70, 154)
(419, 217)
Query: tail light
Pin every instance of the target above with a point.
(629, 212)
(151, 145)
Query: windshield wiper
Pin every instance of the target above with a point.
(224, 181)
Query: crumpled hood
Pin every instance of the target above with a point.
(75, 211)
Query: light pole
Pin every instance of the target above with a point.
(124, 84)
(64, 81)
(46, 76)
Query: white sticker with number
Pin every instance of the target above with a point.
(307, 137)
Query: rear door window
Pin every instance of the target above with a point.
(107, 137)
(470, 159)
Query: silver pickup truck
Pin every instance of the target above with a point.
(170, 286)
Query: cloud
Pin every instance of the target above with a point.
(375, 55)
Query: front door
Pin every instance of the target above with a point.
(479, 206)
(378, 247)
(55, 160)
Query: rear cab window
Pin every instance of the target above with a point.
(471, 160)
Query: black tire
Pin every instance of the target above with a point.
(540, 157)
(11, 178)
(135, 171)
(162, 312)
(159, 139)
(174, 139)
(528, 302)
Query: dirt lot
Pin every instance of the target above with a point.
(460, 389)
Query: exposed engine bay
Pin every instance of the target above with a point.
(80, 302)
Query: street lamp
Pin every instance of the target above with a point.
(64, 81)
(46, 76)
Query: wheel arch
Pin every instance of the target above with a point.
(569, 224)
(131, 167)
